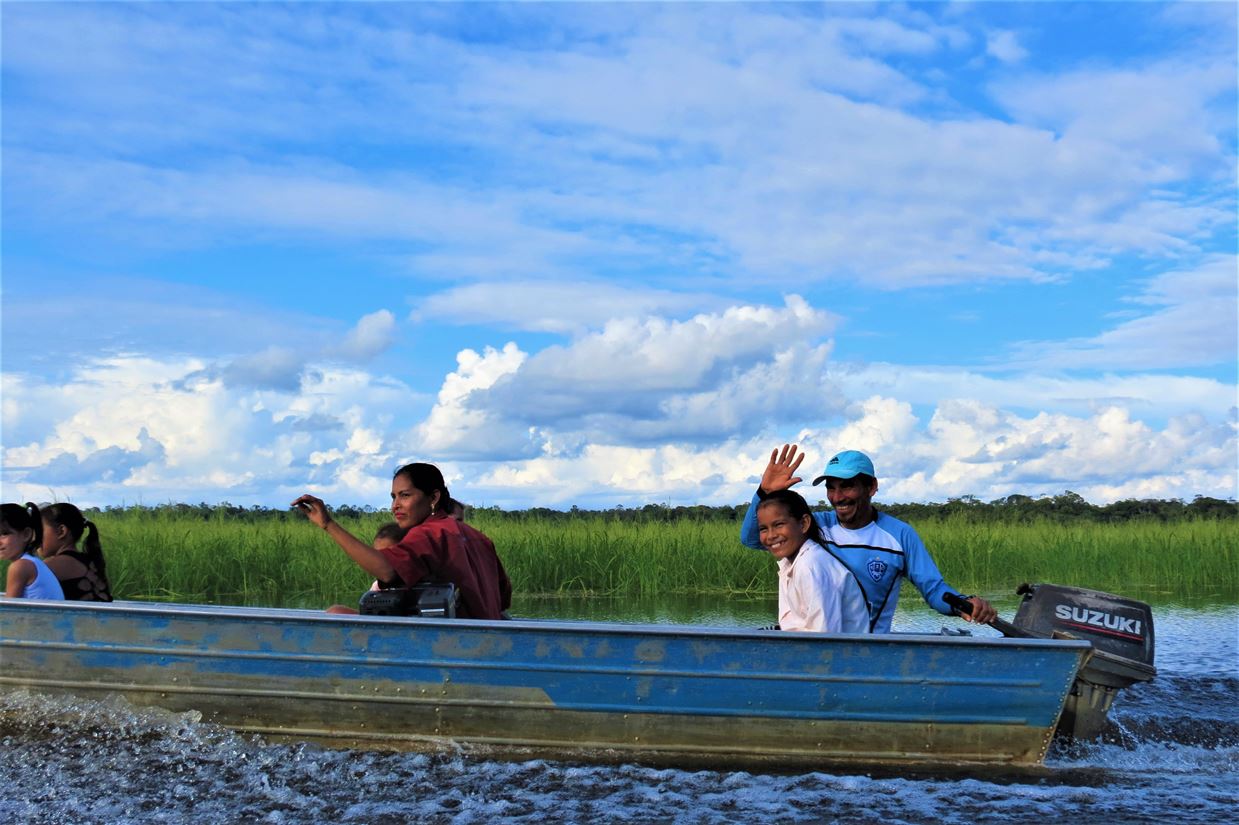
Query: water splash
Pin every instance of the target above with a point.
(103, 761)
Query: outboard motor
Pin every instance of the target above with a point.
(1121, 632)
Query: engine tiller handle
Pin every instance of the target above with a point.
(962, 605)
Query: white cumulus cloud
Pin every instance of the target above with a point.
(142, 430)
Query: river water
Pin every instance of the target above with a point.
(1173, 756)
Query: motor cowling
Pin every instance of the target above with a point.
(1115, 625)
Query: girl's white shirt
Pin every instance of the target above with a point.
(45, 584)
(816, 592)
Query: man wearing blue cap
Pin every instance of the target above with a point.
(877, 549)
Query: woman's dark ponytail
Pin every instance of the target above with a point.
(66, 515)
(92, 548)
(36, 524)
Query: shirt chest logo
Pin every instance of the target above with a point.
(877, 569)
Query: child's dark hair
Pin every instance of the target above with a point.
(797, 508)
(391, 531)
(18, 517)
(68, 516)
(428, 479)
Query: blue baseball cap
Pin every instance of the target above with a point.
(847, 464)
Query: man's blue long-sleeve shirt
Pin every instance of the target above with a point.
(879, 555)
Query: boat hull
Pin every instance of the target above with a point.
(667, 694)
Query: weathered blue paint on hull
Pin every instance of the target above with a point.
(585, 690)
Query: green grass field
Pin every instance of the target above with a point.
(290, 562)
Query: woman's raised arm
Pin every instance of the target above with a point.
(366, 557)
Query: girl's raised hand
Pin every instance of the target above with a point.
(780, 473)
(315, 510)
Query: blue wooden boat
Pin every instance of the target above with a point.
(664, 694)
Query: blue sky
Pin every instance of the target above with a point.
(594, 254)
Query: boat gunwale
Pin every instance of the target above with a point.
(293, 614)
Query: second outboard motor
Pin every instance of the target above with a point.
(1121, 631)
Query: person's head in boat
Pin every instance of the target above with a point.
(784, 522)
(850, 487)
(21, 530)
(418, 491)
(82, 574)
(63, 527)
(389, 535)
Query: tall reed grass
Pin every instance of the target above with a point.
(1187, 557)
(290, 562)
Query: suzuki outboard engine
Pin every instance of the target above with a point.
(1121, 631)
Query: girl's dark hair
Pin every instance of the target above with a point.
(67, 515)
(428, 479)
(391, 531)
(19, 517)
(797, 508)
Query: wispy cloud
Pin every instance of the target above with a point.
(1161, 121)
(784, 147)
(373, 334)
(1005, 46)
(1193, 322)
(564, 307)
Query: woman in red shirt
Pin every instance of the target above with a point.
(436, 547)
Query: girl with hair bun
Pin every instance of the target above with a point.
(21, 529)
(82, 573)
(436, 546)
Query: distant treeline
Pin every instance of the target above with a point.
(1015, 509)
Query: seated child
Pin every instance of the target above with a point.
(389, 535)
(82, 573)
(21, 531)
(816, 592)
